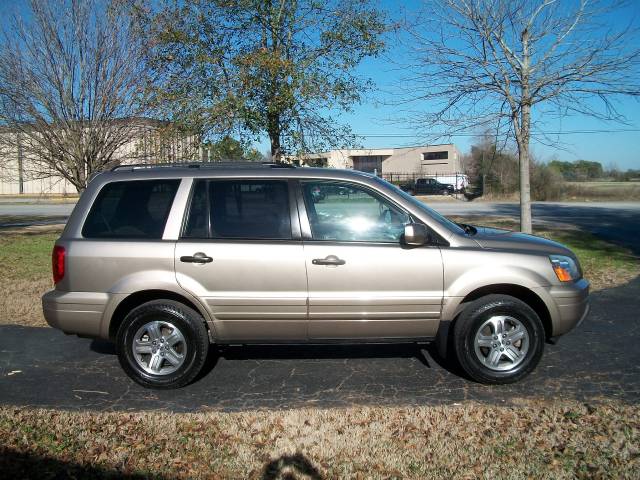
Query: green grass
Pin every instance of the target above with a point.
(26, 275)
(27, 257)
(595, 254)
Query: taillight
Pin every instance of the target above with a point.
(57, 263)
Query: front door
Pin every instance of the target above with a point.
(363, 283)
(241, 254)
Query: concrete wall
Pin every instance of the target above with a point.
(409, 160)
(412, 160)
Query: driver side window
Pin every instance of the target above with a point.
(349, 213)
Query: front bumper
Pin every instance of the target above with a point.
(79, 313)
(572, 302)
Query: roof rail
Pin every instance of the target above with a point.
(203, 165)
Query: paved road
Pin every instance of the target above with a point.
(36, 208)
(618, 222)
(42, 367)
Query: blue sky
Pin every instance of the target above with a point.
(621, 148)
(612, 146)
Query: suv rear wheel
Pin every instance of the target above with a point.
(498, 339)
(162, 344)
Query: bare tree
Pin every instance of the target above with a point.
(71, 79)
(482, 63)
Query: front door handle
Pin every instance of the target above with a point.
(196, 258)
(330, 260)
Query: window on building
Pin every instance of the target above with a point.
(368, 163)
(317, 162)
(441, 155)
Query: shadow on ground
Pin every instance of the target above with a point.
(599, 360)
(14, 464)
(23, 465)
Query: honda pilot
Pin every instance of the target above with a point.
(166, 260)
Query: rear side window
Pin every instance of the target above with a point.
(239, 209)
(136, 209)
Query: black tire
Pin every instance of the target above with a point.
(474, 316)
(191, 326)
(411, 192)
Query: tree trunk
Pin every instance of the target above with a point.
(81, 178)
(274, 137)
(524, 137)
(525, 183)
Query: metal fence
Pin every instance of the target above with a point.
(459, 180)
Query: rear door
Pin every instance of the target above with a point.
(240, 252)
(363, 282)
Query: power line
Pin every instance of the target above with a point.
(464, 134)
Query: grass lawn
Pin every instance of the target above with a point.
(26, 262)
(599, 191)
(534, 440)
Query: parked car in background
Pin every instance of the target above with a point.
(427, 186)
(459, 181)
(166, 260)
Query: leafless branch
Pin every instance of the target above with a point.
(71, 84)
(478, 62)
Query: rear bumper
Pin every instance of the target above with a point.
(79, 313)
(572, 303)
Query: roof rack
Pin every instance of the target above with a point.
(203, 165)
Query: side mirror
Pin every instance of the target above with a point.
(415, 234)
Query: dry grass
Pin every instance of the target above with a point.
(26, 260)
(603, 191)
(597, 191)
(535, 440)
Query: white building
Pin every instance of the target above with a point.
(425, 160)
(152, 143)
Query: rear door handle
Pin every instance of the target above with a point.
(196, 258)
(330, 260)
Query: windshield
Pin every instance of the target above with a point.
(441, 219)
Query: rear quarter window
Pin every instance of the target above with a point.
(132, 209)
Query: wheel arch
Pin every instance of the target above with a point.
(526, 295)
(138, 298)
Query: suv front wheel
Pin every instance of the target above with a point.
(498, 339)
(162, 344)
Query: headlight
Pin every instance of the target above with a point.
(566, 268)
